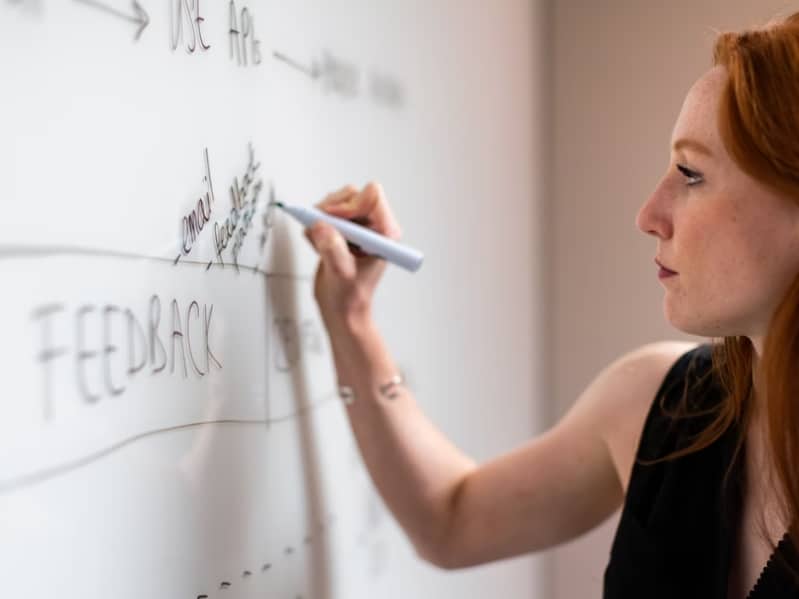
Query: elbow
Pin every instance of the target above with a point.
(438, 555)
(444, 547)
(449, 556)
(445, 550)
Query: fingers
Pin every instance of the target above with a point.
(368, 206)
(332, 249)
(342, 195)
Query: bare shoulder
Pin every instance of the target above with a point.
(633, 381)
(617, 401)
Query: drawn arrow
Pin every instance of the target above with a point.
(140, 16)
(313, 71)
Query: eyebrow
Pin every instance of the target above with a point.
(693, 145)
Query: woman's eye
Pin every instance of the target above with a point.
(692, 177)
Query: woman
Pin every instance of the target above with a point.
(699, 443)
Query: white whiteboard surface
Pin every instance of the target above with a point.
(168, 421)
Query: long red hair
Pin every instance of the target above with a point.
(759, 125)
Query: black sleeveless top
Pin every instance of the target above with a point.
(679, 519)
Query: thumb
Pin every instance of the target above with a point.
(333, 250)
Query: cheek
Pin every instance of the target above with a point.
(737, 261)
(750, 262)
(772, 246)
(711, 244)
(722, 261)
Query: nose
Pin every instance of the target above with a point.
(654, 217)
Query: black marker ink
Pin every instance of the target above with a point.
(246, 31)
(208, 354)
(82, 355)
(233, 32)
(339, 76)
(155, 320)
(244, 195)
(176, 23)
(194, 222)
(177, 332)
(175, 36)
(140, 18)
(108, 349)
(239, 38)
(188, 336)
(235, 194)
(199, 20)
(48, 353)
(314, 71)
(223, 234)
(267, 219)
(135, 330)
(190, 48)
(256, 51)
(188, 14)
(286, 336)
(207, 178)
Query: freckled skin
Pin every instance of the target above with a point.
(733, 241)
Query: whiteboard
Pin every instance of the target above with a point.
(169, 422)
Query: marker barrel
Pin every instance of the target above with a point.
(369, 241)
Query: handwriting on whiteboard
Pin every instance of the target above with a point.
(121, 343)
(200, 215)
(190, 29)
(292, 340)
(186, 12)
(231, 232)
(244, 198)
(241, 33)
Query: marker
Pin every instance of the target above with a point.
(366, 239)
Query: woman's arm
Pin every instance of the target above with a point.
(456, 513)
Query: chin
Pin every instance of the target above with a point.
(707, 327)
(687, 322)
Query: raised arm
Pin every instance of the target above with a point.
(456, 513)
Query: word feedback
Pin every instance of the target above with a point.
(110, 347)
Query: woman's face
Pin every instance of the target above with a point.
(733, 242)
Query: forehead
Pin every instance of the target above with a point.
(698, 118)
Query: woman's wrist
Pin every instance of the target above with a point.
(360, 355)
(352, 325)
(355, 340)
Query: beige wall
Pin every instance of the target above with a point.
(620, 71)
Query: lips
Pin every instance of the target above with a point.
(661, 265)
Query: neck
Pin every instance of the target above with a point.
(758, 386)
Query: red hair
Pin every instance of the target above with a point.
(759, 126)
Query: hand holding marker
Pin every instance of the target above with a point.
(367, 240)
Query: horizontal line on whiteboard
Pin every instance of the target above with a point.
(27, 480)
(11, 252)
